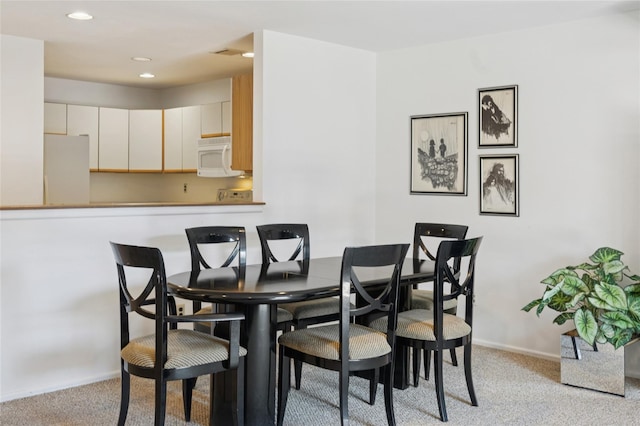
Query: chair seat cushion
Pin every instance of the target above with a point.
(423, 299)
(313, 308)
(185, 348)
(324, 342)
(282, 314)
(418, 324)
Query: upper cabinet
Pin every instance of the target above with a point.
(145, 140)
(216, 119)
(83, 120)
(113, 149)
(55, 118)
(181, 134)
(242, 122)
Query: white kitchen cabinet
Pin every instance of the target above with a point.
(191, 132)
(113, 134)
(83, 120)
(181, 134)
(55, 118)
(145, 140)
(211, 120)
(226, 118)
(173, 140)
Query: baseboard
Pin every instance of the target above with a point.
(85, 381)
(551, 357)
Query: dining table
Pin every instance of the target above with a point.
(257, 290)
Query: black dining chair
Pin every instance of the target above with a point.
(350, 345)
(435, 330)
(169, 353)
(235, 238)
(307, 312)
(426, 236)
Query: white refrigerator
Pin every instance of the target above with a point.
(66, 170)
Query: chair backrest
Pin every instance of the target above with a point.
(284, 231)
(217, 235)
(461, 283)
(153, 294)
(435, 230)
(380, 264)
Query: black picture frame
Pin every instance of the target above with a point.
(498, 117)
(439, 144)
(500, 185)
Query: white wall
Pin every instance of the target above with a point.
(578, 145)
(59, 307)
(21, 140)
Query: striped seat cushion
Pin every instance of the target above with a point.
(313, 308)
(418, 324)
(185, 348)
(423, 299)
(282, 314)
(324, 342)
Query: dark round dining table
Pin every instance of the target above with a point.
(256, 290)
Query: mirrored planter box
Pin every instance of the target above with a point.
(599, 367)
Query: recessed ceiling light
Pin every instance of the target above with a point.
(80, 16)
(248, 54)
(140, 59)
(147, 75)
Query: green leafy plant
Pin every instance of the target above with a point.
(592, 296)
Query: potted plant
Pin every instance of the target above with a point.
(593, 295)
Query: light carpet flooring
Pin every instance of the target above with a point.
(512, 389)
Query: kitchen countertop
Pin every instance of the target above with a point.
(114, 205)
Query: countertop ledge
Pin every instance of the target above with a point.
(118, 205)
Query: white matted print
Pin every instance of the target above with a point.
(439, 154)
(498, 116)
(499, 193)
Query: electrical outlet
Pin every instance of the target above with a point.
(180, 308)
(184, 187)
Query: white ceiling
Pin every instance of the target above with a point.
(179, 35)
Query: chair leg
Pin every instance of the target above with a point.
(187, 392)
(454, 358)
(237, 402)
(439, 385)
(373, 385)
(344, 398)
(427, 363)
(467, 374)
(416, 366)
(297, 365)
(161, 401)
(388, 394)
(125, 387)
(284, 384)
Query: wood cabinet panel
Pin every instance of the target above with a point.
(242, 122)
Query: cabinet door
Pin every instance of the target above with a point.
(173, 140)
(211, 120)
(55, 118)
(190, 135)
(83, 120)
(113, 133)
(145, 140)
(226, 118)
(242, 122)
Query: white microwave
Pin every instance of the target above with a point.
(214, 157)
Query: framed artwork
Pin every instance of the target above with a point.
(498, 117)
(499, 185)
(439, 154)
